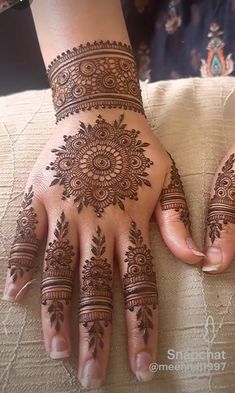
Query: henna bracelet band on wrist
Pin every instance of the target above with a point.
(95, 75)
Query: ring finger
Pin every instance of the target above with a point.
(140, 297)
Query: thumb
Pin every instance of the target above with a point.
(172, 217)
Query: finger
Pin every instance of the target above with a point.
(220, 235)
(140, 297)
(95, 312)
(172, 217)
(31, 227)
(56, 287)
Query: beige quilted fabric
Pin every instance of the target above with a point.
(195, 120)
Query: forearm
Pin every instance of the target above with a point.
(86, 50)
(62, 25)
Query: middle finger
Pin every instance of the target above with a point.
(95, 311)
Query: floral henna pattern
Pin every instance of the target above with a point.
(101, 165)
(95, 75)
(139, 282)
(172, 197)
(25, 246)
(58, 275)
(222, 205)
(95, 312)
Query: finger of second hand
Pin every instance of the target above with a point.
(220, 233)
(95, 311)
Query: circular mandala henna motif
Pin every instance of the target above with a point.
(63, 77)
(74, 186)
(109, 81)
(78, 91)
(133, 88)
(125, 65)
(87, 68)
(27, 219)
(59, 254)
(101, 165)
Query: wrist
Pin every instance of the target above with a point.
(98, 75)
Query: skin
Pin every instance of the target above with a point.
(77, 22)
(221, 251)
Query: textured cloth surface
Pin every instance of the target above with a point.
(194, 119)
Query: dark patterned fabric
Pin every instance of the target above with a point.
(182, 38)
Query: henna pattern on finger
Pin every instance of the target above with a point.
(172, 197)
(95, 311)
(139, 282)
(101, 165)
(222, 205)
(25, 245)
(96, 75)
(57, 279)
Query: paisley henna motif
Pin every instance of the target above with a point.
(101, 165)
(172, 197)
(222, 205)
(25, 246)
(58, 275)
(95, 312)
(139, 282)
(95, 75)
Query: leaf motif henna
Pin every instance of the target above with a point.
(172, 197)
(139, 282)
(96, 75)
(25, 245)
(101, 165)
(95, 312)
(222, 205)
(58, 275)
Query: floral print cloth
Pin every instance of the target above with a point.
(182, 38)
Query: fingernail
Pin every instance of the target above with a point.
(214, 257)
(90, 377)
(59, 348)
(193, 247)
(143, 361)
(211, 268)
(23, 290)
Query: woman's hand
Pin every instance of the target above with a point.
(92, 191)
(220, 236)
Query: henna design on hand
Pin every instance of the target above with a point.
(222, 204)
(25, 245)
(172, 197)
(139, 282)
(58, 276)
(95, 311)
(101, 165)
(95, 75)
